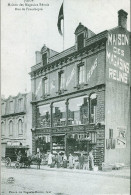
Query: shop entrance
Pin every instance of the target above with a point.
(58, 143)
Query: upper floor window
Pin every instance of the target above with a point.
(11, 128)
(2, 128)
(2, 108)
(80, 41)
(44, 58)
(45, 86)
(20, 104)
(20, 126)
(11, 106)
(81, 74)
(93, 104)
(61, 80)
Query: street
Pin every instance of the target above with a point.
(43, 182)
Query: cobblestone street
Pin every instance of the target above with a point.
(33, 181)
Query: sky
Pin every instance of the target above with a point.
(25, 31)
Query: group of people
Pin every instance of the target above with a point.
(77, 162)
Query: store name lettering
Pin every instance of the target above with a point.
(117, 39)
(115, 56)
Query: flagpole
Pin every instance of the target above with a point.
(63, 26)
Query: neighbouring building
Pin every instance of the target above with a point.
(16, 122)
(81, 96)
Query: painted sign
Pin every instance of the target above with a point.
(121, 138)
(118, 57)
(92, 69)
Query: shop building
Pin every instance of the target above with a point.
(16, 123)
(81, 96)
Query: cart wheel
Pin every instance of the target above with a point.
(7, 162)
(17, 165)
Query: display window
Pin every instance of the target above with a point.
(78, 111)
(43, 116)
(59, 114)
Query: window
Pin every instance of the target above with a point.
(59, 113)
(81, 74)
(44, 58)
(43, 116)
(20, 126)
(2, 108)
(78, 111)
(11, 128)
(2, 128)
(20, 105)
(110, 133)
(61, 80)
(93, 103)
(80, 41)
(45, 86)
(11, 106)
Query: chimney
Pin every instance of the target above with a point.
(122, 18)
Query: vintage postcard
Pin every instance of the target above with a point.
(65, 97)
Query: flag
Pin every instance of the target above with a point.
(60, 17)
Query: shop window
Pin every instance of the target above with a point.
(78, 111)
(59, 114)
(20, 126)
(93, 104)
(61, 80)
(80, 41)
(44, 59)
(11, 128)
(45, 86)
(2, 128)
(43, 116)
(81, 74)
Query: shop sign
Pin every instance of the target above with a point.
(9, 144)
(15, 143)
(118, 57)
(121, 137)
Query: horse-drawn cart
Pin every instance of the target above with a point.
(17, 155)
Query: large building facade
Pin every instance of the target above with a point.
(81, 96)
(16, 122)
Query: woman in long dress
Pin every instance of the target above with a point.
(70, 161)
(49, 159)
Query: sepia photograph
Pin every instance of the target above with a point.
(65, 97)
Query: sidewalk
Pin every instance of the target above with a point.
(121, 173)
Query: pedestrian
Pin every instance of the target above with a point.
(91, 160)
(86, 162)
(50, 159)
(71, 161)
(81, 161)
(59, 160)
(65, 161)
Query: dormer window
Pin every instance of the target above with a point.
(80, 41)
(44, 59)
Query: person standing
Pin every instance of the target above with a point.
(70, 161)
(50, 159)
(59, 160)
(91, 159)
(81, 161)
(65, 161)
(86, 163)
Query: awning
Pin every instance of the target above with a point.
(25, 147)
